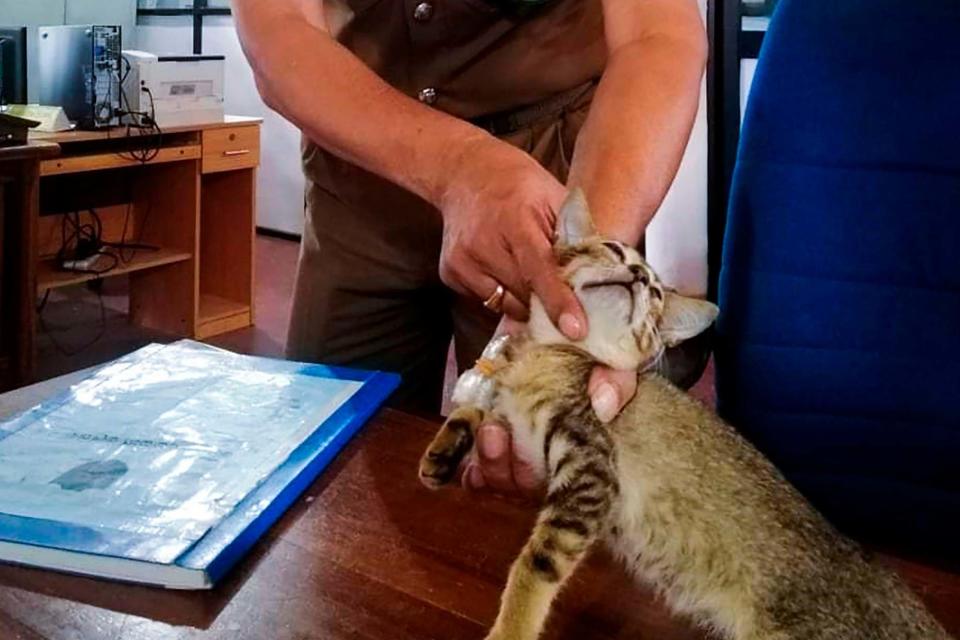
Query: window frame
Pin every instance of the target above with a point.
(198, 12)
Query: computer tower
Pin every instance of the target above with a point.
(13, 65)
(79, 69)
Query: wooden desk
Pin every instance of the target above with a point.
(193, 203)
(368, 554)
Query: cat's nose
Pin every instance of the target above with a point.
(638, 274)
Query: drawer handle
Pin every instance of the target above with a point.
(237, 152)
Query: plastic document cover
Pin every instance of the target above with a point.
(153, 450)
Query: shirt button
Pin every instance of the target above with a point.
(428, 95)
(423, 11)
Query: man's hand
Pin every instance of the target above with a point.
(499, 211)
(496, 465)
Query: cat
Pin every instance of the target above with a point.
(684, 501)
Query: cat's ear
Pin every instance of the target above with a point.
(574, 222)
(684, 318)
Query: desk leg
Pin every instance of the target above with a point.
(26, 211)
(5, 328)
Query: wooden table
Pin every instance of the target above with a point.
(366, 553)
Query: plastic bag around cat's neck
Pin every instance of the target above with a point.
(477, 386)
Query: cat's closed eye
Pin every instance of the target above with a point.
(615, 248)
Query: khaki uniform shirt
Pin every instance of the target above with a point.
(367, 291)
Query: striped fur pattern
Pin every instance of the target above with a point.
(687, 504)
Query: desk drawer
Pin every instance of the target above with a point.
(231, 148)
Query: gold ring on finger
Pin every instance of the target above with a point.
(495, 301)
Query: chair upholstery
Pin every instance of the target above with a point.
(839, 337)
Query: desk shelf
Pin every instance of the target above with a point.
(219, 315)
(50, 276)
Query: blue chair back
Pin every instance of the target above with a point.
(839, 334)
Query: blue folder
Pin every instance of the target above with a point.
(166, 466)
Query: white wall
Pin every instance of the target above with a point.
(748, 67)
(31, 12)
(676, 241)
(280, 180)
(121, 12)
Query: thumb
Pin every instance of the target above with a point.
(610, 390)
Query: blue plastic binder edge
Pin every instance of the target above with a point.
(224, 545)
(41, 532)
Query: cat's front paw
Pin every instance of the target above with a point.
(437, 468)
(439, 464)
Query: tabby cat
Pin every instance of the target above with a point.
(679, 496)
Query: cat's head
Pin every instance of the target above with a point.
(632, 317)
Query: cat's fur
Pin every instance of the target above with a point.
(678, 495)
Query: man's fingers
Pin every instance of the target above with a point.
(494, 453)
(525, 477)
(470, 280)
(509, 304)
(558, 299)
(472, 478)
(515, 309)
(495, 465)
(509, 326)
(610, 390)
(499, 263)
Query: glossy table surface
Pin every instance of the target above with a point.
(366, 553)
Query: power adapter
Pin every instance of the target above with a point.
(84, 255)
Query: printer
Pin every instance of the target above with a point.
(172, 90)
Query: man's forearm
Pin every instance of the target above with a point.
(631, 145)
(321, 87)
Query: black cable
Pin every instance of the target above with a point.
(92, 234)
(153, 122)
(153, 107)
(59, 347)
(123, 78)
(123, 245)
(43, 301)
(144, 121)
(115, 262)
(123, 237)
